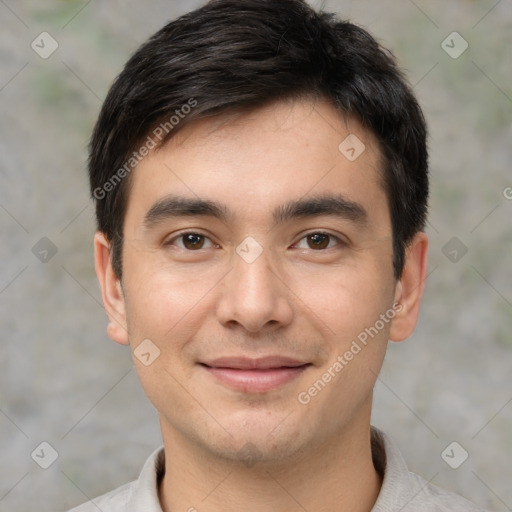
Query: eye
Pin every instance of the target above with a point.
(191, 241)
(318, 241)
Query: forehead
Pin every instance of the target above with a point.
(262, 159)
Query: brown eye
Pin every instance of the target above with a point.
(193, 241)
(319, 241)
(190, 241)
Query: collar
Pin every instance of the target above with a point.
(397, 487)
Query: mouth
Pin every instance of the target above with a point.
(255, 375)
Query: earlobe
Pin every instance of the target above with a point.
(111, 290)
(409, 289)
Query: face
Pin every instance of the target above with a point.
(258, 293)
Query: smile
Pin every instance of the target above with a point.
(255, 375)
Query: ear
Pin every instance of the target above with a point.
(409, 288)
(111, 290)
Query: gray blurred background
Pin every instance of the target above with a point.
(63, 382)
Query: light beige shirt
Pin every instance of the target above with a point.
(401, 491)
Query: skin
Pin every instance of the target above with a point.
(295, 300)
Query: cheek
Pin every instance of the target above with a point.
(162, 299)
(164, 308)
(352, 307)
(344, 299)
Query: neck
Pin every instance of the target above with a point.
(338, 475)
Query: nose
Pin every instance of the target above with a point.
(254, 296)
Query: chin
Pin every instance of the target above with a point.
(256, 439)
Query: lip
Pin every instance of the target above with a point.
(255, 375)
(248, 363)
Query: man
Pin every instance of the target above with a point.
(260, 172)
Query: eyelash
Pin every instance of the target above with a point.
(339, 241)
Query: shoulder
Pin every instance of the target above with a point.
(405, 491)
(436, 499)
(113, 501)
(139, 495)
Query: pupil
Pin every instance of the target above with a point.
(194, 240)
(319, 240)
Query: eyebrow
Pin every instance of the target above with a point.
(335, 205)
